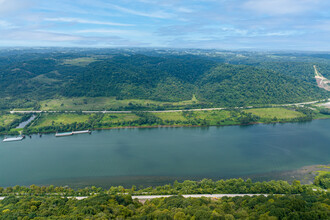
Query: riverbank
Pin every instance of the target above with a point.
(66, 122)
(181, 126)
(50, 122)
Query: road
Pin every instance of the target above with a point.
(116, 112)
(144, 198)
(160, 111)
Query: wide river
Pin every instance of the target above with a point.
(160, 155)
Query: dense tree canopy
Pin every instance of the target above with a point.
(284, 201)
(27, 77)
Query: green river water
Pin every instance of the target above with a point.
(160, 155)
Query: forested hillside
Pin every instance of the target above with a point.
(29, 77)
(239, 85)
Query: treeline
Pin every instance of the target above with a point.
(298, 202)
(205, 186)
(325, 111)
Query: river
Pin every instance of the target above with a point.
(151, 156)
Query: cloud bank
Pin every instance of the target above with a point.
(223, 24)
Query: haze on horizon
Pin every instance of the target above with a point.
(209, 24)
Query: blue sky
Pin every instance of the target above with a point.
(219, 24)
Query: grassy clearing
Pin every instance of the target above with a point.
(170, 116)
(216, 117)
(7, 119)
(44, 79)
(105, 103)
(279, 113)
(47, 122)
(118, 118)
(60, 119)
(213, 116)
(83, 61)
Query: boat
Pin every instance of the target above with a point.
(82, 132)
(63, 134)
(13, 139)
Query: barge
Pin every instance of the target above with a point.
(63, 134)
(13, 139)
(72, 133)
(82, 132)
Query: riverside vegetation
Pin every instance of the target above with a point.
(285, 201)
(51, 122)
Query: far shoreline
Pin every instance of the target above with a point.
(168, 126)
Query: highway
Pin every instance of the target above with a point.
(160, 111)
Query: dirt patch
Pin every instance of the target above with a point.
(321, 81)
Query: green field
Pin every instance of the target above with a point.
(47, 122)
(83, 61)
(106, 103)
(170, 116)
(7, 119)
(216, 117)
(213, 116)
(279, 113)
(118, 118)
(60, 119)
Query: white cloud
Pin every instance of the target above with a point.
(280, 7)
(85, 21)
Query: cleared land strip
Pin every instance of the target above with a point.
(144, 198)
(158, 111)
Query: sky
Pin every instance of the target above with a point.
(209, 24)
